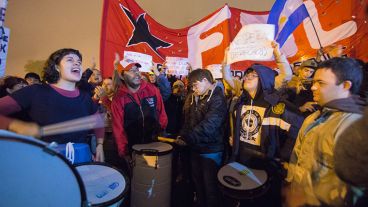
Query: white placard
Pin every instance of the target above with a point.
(136, 57)
(4, 42)
(177, 66)
(253, 42)
(215, 70)
(3, 5)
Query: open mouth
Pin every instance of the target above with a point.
(76, 71)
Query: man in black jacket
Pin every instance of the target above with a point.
(203, 130)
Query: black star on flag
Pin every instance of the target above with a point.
(142, 34)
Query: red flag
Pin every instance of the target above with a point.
(127, 27)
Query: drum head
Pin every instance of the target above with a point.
(34, 175)
(241, 182)
(153, 148)
(104, 184)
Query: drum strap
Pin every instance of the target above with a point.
(69, 152)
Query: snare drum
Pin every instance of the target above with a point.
(32, 174)
(105, 185)
(240, 182)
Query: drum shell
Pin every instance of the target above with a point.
(160, 194)
(82, 152)
(151, 181)
(35, 175)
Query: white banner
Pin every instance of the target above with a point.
(177, 66)
(215, 70)
(136, 57)
(253, 42)
(4, 41)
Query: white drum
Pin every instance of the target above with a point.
(240, 182)
(32, 174)
(105, 186)
(151, 181)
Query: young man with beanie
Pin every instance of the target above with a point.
(299, 91)
(138, 112)
(312, 168)
(203, 131)
(264, 132)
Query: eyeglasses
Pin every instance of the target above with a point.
(250, 76)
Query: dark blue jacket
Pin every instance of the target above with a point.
(278, 126)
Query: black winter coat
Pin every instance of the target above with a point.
(203, 128)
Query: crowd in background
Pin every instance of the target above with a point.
(287, 121)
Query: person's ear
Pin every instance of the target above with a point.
(347, 85)
(57, 68)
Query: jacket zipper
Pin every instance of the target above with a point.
(140, 109)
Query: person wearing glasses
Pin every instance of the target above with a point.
(264, 131)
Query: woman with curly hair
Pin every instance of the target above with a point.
(56, 101)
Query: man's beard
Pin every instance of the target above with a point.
(131, 84)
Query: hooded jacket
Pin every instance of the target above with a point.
(312, 164)
(264, 127)
(137, 117)
(203, 128)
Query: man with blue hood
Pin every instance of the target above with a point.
(265, 131)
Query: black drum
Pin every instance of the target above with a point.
(240, 182)
(32, 174)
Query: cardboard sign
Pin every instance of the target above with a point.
(136, 57)
(4, 42)
(215, 70)
(253, 42)
(3, 5)
(177, 66)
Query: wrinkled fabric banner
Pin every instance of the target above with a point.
(127, 27)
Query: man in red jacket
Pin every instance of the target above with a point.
(138, 113)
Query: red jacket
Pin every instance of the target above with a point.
(137, 117)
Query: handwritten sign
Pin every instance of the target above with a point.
(136, 57)
(177, 66)
(4, 41)
(215, 70)
(253, 42)
(3, 5)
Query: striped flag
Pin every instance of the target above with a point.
(286, 15)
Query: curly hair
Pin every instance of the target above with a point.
(50, 74)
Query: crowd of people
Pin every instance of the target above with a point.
(304, 125)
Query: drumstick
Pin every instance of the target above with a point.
(165, 139)
(74, 125)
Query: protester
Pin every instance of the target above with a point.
(298, 90)
(58, 101)
(264, 131)
(138, 113)
(32, 78)
(11, 84)
(203, 132)
(311, 170)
